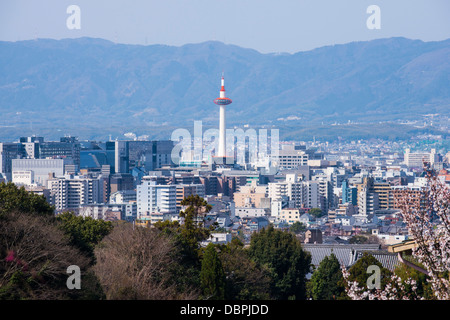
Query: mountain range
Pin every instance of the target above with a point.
(93, 87)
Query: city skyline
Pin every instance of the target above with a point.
(328, 178)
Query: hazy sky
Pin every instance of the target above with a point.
(264, 25)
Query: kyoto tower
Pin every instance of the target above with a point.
(222, 101)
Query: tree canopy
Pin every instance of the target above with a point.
(83, 232)
(327, 282)
(212, 276)
(14, 199)
(288, 263)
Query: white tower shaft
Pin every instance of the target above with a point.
(222, 101)
(222, 126)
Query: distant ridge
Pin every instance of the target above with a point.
(89, 82)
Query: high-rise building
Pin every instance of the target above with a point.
(368, 202)
(299, 194)
(154, 198)
(186, 190)
(70, 192)
(121, 156)
(67, 147)
(385, 195)
(349, 193)
(8, 152)
(31, 146)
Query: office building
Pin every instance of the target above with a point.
(70, 192)
(152, 197)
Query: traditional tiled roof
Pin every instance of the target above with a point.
(345, 253)
(388, 260)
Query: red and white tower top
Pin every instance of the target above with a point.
(222, 100)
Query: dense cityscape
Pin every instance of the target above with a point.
(335, 191)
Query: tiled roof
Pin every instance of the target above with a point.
(387, 260)
(345, 253)
(348, 254)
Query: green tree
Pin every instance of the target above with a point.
(14, 199)
(282, 254)
(361, 239)
(192, 231)
(244, 278)
(424, 288)
(327, 282)
(316, 212)
(358, 271)
(212, 277)
(83, 232)
(187, 238)
(297, 227)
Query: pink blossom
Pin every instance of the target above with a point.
(11, 256)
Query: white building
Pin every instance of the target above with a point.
(41, 169)
(416, 159)
(23, 178)
(299, 194)
(123, 196)
(217, 238)
(70, 192)
(152, 197)
(109, 211)
(248, 212)
(291, 157)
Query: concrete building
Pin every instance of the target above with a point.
(41, 168)
(121, 157)
(23, 178)
(251, 196)
(8, 152)
(415, 160)
(292, 157)
(246, 212)
(290, 215)
(109, 211)
(152, 197)
(70, 192)
(123, 196)
(368, 202)
(186, 190)
(299, 194)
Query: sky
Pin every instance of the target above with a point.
(269, 26)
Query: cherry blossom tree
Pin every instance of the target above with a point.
(395, 289)
(428, 222)
(427, 215)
